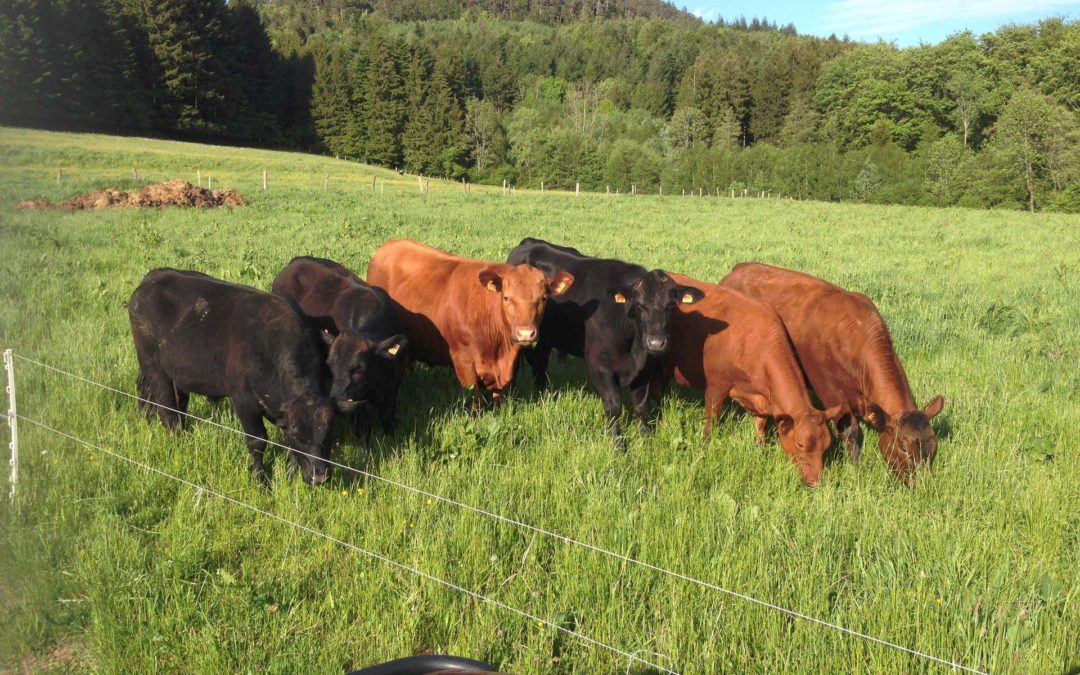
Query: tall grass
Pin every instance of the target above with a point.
(106, 566)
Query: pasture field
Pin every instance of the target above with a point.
(104, 565)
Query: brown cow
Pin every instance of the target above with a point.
(848, 356)
(472, 314)
(730, 345)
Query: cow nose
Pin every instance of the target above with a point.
(655, 344)
(526, 334)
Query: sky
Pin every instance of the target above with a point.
(905, 23)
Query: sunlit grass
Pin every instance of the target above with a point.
(977, 563)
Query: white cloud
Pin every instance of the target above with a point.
(861, 18)
(705, 14)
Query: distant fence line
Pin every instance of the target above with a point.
(13, 415)
(508, 188)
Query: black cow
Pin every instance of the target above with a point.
(198, 335)
(367, 347)
(616, 315)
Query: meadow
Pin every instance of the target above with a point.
(107, 567)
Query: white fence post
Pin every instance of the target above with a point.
(9, 366)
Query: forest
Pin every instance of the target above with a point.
(609, 95)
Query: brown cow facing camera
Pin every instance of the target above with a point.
(730, 345)
(473, 315)
(849, 359)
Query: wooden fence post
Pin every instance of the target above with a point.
(633, 189)
(661, 189)
(373, 183)
(59, 174)
(577, 189)
(464, 188)
(264, 180)
(209, 181)
(607, 189)
(541, 187)
(134, 174)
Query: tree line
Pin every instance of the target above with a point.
(605, 94)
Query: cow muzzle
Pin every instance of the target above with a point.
(656, 345)
(525, 336)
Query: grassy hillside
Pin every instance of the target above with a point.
(105, 565)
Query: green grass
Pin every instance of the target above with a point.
(105, 566)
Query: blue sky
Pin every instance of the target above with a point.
(905, 23)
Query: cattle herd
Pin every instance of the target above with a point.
(767, 337)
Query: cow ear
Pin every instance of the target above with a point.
(876, 417)
(688, 295)
(560, 283)
(784, 423)
(392, 347)
(491, 280)
(933, 408)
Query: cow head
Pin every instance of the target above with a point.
(357, 365)
(306, 421)
(805, 438)
(908, 439)
(524, 291)
(649, 300)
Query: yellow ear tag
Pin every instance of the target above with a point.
(620, 298)
(560, 287)
(491, 286)
(871, 417)
(394, 350)
(687, 299)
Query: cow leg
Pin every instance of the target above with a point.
(760, 426)
(714, 399)
(251, 419)
(465, 369)
(538, 358)
(604, 383)
(161, 396)
(850, 432)
(361, 425)
(387, 409)
(639, 397)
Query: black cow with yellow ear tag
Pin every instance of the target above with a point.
(616, 315)
(366, 349)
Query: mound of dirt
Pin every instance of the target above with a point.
(172, 193)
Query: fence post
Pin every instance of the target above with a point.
(134, 174)
(420, 179)
(9, 366)
(541, 187)
(577, 189)
(661, 189)
(209, 182)
(264, 180)
(464, 189)
(59, 174)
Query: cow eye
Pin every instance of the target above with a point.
(506, 298)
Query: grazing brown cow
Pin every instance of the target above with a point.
(473, 315)
(849, 359)
(730, 345)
